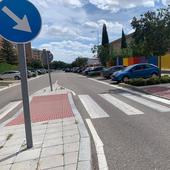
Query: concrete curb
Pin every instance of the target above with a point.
(133, 88)
(85, 158)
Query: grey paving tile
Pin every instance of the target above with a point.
(52, 142)
(28, 155)
(71, 132)
(51, 162)
(7, 159)
(71, 139)
(10, 150)
(26, 165)
(5, 167)
(50, 151)
(70, 122)
(55, 121)
(38, 132)
(13, 142)
(53, 135)
(71, 167)
(54, 130)
(70, 158)
(72, 147)
(58, 168)
(69, 127)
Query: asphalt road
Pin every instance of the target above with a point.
(135, 138)
(14, 93)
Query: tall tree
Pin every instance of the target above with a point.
(80, 62)
(152, 32)
(103, 50)
(123, 40)
(105, 38)
(8, 53)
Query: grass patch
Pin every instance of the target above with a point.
(7, 67)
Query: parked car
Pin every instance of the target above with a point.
(88, 69)
(10, 75)
(29, 74)
(33, 72)
(96, 71)
(136, 71)
(67, 70)
(106, 73)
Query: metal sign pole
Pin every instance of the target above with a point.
(49, 71)
(25, 96)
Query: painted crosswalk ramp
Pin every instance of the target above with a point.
(124, 107)
(145, 102)
(93, 109)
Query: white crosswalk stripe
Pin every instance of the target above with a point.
(146, 102)
(93, 109)
(124, 107)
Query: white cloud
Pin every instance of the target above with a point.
(115, 5)
(113, 27)
(68, 50)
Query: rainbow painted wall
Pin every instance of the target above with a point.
(165, 61)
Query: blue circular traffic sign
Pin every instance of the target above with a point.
(20, 21)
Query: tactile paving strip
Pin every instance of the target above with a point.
(44, 108)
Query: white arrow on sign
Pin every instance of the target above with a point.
(22, 24)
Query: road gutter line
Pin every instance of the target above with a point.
(99, 146)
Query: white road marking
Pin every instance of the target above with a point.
(8, 108)
(145, 102)
(159, 99)
(124, 107)
(99, 147)
(93, 109)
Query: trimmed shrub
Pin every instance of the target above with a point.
(150, 81)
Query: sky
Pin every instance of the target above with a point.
(72, 27)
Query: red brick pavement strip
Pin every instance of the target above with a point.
(158, 91)
(44, 108)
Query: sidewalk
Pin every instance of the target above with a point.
(61, 140)
(160, 90)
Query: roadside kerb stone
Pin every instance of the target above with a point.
(84, 157)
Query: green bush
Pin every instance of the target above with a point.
(150, 81)
(137, 82)
(165, 79)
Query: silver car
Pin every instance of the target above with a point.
(10, 75)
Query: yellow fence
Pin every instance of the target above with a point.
(165, 61)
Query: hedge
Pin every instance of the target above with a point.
(150, 81)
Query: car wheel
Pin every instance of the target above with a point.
(125, 79)
(16, 78)
(154, 75)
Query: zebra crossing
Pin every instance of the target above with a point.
(95, 111)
